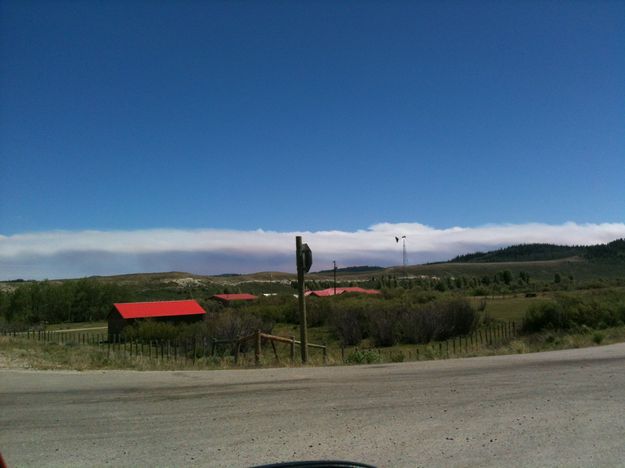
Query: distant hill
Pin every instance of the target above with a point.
(354, 269)
(540, 261)
(613, 251)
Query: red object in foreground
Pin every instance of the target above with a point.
(330, 291)
(133, 310)
(234, 297)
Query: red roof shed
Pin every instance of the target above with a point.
(330, 291)
(124, 314)
(133, 310)
(227, 298)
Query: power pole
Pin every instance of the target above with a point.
(334, 261)
(301, 299)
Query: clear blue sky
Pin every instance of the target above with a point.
(309, 115)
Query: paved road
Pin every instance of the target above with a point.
(561, 408)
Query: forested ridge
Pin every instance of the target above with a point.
(613, 251)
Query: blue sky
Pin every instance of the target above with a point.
(309, 116)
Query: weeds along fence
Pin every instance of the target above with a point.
(189, 349)
(248, 350)
(477, 342)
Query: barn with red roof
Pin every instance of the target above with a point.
(330, 291)
(124, 314)
(230, 298)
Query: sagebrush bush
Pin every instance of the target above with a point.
(390, 322)
(603, 310)
(363, 357)
(438, 321)
(232, 324)
(544, 316)
(348, 327)
(384, 326)
(598, 337)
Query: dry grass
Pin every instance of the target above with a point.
(19, 352)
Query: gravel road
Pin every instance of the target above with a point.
(564, 408)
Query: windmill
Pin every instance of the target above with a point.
(403, 238)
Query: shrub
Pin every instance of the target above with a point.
(597, 337)
(603, 310)
(347, 326)
(545, 316)
(318, 310)
(384, 326)
(363, 357)
(350, 319)
(438, 321)
(232, 324)
(390, 322)
(274, 309)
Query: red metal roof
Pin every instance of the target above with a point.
(131, 310)
(361, 290)
(235, 297)
(330, 291)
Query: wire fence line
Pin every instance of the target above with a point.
(246, 351)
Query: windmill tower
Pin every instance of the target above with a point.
(403, 239)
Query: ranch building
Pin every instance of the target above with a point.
(331, 291)
(124, 314)
(228, 299)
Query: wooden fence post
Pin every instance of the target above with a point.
(275, 351)
(257, 348)
(292, 349)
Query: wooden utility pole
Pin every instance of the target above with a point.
(303, 332)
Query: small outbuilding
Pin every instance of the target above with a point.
(227, 299)
(124, 314)
(330, 291)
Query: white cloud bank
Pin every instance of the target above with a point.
(63, 254)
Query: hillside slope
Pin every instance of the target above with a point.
(613, 251)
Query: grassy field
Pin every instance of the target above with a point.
(506, 308)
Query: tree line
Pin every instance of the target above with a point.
(82, 300)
